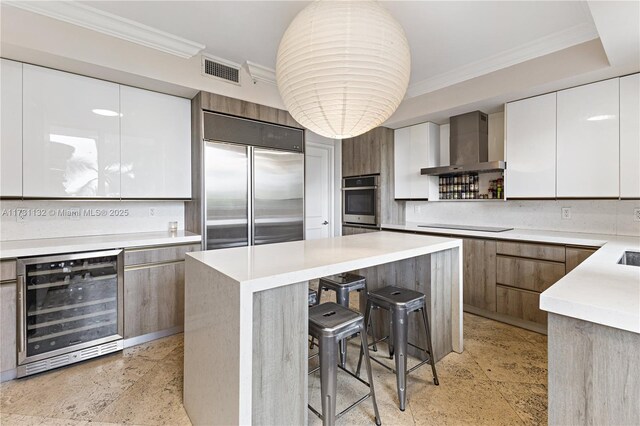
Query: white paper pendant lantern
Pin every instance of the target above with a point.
(343, 67)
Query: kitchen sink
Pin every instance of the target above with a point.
(630, 258)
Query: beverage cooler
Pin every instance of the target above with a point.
(70, 309)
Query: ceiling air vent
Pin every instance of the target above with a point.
(222, 69)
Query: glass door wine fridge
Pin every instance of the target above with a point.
(70, 308)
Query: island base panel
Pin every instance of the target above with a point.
(593, 373)
(280, 355)
(211, 346)
(436, 275)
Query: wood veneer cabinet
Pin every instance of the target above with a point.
(154, 289)
(353, 230)
(576, 256)
(361, 155)
(479, 273)
(524, 270)
(8, 292)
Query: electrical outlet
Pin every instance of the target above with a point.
(152, 211)
(636, 215)
(566, 213)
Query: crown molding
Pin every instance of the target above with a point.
(543, 46)
(107, 23)
(261, 73)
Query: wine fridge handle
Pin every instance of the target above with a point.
(20, 315)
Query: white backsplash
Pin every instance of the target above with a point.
(53, 218)
(589, 216)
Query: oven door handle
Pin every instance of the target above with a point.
(359, 187)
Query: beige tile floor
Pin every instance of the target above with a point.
(500, 379)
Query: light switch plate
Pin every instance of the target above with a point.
(566, 213)
(636, 215)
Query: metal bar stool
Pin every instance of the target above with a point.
(342, 285)
(330, 323)
(400, 302)
(313, 298)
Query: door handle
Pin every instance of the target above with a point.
(325, 223)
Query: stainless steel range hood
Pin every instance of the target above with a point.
(468, 146)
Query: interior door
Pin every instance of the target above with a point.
(278, 209)
(317, 207)
(227, 194)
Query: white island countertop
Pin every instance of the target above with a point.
(599, 290)
(259, 268)
(47, 246)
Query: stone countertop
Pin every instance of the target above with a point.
(47, 246)
(599, 290)
(258, 268)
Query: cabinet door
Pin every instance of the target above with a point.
(415, 147)
(361, 155)
(479, 273)
(11, 129)
(153, 299)
(156, 144)
(402, 162)
(531, 148)
(588, 141)
(71, 135)
(8, 348)
(520, 304)
(630, 136)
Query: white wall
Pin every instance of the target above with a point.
(589, 216)
(67, 47)
(57, 221)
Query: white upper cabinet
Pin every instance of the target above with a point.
(630, 136)
(415, 147)
(11, 129)
(156, 145)
(531, 148)
(71, 135)
(588, 141)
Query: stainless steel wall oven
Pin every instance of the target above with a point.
(360, 200)
(70, 308)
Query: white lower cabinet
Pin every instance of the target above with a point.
(588, 150)
(156, 144)
(630, 136)
(11, 129)
(531, 147)
(71, 135)
(415, 147)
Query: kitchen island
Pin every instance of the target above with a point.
(246, 314)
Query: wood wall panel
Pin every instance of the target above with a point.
(245, 109)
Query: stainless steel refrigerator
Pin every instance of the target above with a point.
(254, 194)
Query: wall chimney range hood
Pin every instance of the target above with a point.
(468, 146)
